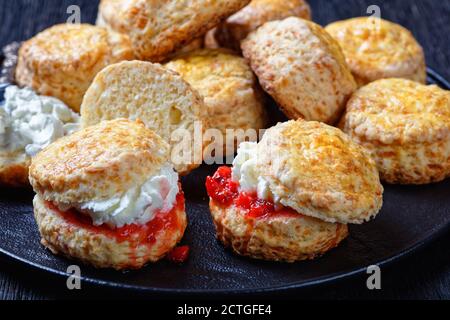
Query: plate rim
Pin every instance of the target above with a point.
(430, 237)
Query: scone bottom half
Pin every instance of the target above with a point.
(257, 216)
(141, 223)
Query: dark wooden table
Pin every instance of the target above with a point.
(423, 275)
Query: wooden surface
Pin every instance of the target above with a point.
(424, 275)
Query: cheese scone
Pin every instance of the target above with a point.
(159, 28)
(230, 33)
(376, 49)
(29, 123)
(232, 96)
(406, 127)
(291, 196)
(109, 196)
(160, 98)
(302, 68)
(63, 60)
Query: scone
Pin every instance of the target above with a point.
(302, 68)
(108, 196)
(29, 123)
(376, 49)
(159, 97)
(159, 28)
(14, 169)
(406, 127)
(291, 196)
(233, 99)
(230, 33)
(63, 60)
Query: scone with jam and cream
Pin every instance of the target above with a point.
(291, 196)
(29, 123)
(108, 196)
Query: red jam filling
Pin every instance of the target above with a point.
(179, 254)
(225, 192)
(136, 234)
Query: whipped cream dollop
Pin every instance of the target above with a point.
(137, 206)
(31, 122)
(245, 171)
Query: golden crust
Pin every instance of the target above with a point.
(159, 28)
(301, 67)
(376, 49)
(98, 162)
(142, 90)
(228, 86)
(14, 169)
(320, 172)
(281, 238)
(63, 237)
(63, 60)
(230, 33)
(406, 127)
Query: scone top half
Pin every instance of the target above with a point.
(117, 172)
(314, 169)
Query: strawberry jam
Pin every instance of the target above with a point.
(135, 234)
(225, 192)
(179, 254)
(221, 188)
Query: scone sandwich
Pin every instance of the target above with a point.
(109, 196)
(29, 123)
(291, 196)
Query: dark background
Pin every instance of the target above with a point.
(423, 275)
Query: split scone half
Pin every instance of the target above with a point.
(406, 127)
(233, 99)
(291, 196)
(108, 196)
(29, 123)
(160, 98)
(233, 30)
(63, 60)
(159, 28)
(376, 49)
(302, 68)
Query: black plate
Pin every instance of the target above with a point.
(412, 216)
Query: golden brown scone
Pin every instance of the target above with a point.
(159, 28)
(375, 49)
(14, 169)
(157, 96)
(230, 33)
(92, 193)
(63, 60)
(229, 88)
(277, 238)
(406, 127)
(301, 67)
